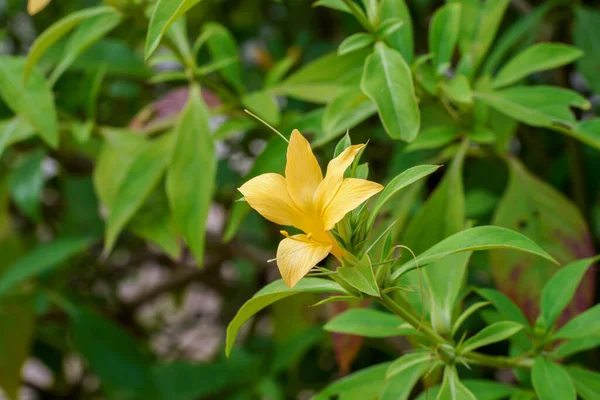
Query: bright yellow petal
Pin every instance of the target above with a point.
(35, 6)
(297, 254)
(334, 177)
(352, 193)
(268, 195)
(302, 171)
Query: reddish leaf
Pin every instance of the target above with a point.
(546, 216)
(346, 346)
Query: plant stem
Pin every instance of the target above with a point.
(406, 315)
(498, 361)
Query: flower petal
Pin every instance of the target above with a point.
(351, 194)
(297, 254)
(35, 6)
(302, 171)
(334, 177)
(268, 194)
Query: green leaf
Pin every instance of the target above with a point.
(264, 105)
(59, 29)
(271, 159)
(222, 46)
(344, 112)
(165, 13)
(560, 289)
(323, 79)
(400, 182)
(17, 320)
(388, 27)
(543, 106)
(585, 324)
(458, 90)
(588, 132)
(31, 100)
(89, 32)
(443, 35)
(26, 181)
(333, 4)
(478, 238)
(361, 276)
(12, 131)
(354, 42)
(271, 293)
(587, 383)
(387, 80)
(191, 174)
(434, 137)
(185, 381)
(404, 373)
(144, 173)
(402, 39)
(365, 384)
(482, 20)
(441, 216)
(536, 58)
(483, 390)
(570, 347)
(452, 388)
(113, 355)
(537, 210)
(367, 322)
(491, 334)
(467, 313)
(585, 37)
(289, 352)
(551, 381)
(154, 222)
(40, 259)
(518, 35)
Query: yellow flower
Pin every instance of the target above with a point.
(309, 202)
(35, 6)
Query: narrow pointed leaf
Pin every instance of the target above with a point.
(361, 276)
(551, 381)
(583, 325)
(491, 334)
(443, 35)
(364, 384)
(587, 383)
(367, 322)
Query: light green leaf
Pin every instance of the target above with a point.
(434, 137)
(467, 313)
(588, 132)
(404, 373)
(551, 381)
(443, 35)
(58, 30)
(222, 46)
(585, 37)
(364, 384)
(388, 27)
(41, 259)
(452, 388)
(368, 322)
(536, 58)
(458, 90)
(483, 390)
(89, 32)
(560, 289)
(491, 334)
(26, 181)
(354, 42)
(165, 13)
(361, 276)
(13, 131)
(400, 182)
(271, 293)
(191, 174)
(570, 347)
(138, 181)
(478, 238)
(344, 112)
(333, 4)
(585, 324)
(402, 39)
(31, 100)
(387, 80)
(587, 383)
(113, 355)
(264, 105)
(544, 106)
(322, 80)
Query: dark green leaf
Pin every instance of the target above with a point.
(26, 181)
(443, 35)
(402, 39)
(585, 37)
(222, 46)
